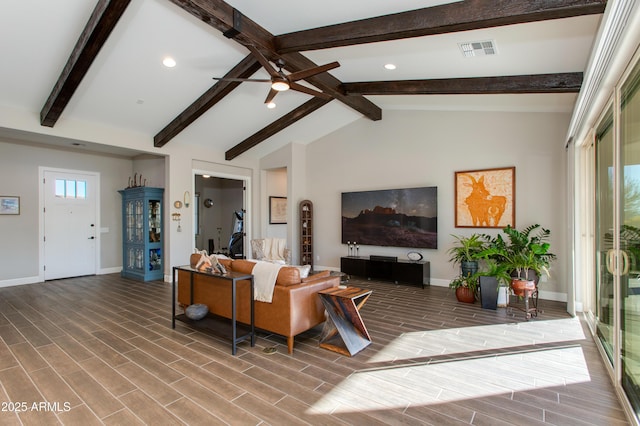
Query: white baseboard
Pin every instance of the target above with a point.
(552, 295)
(114, 270)
(438, 282)
(20, 281)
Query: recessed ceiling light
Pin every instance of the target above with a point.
(271, 105)
(169, 62)
(390, 66)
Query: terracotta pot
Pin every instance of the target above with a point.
(466, 295)
(523, 288)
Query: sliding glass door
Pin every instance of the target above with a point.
(604, 236)
(617, 236)
(630, 237)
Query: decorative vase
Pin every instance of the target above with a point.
(489, 292)
(196, 311)
(465, 295)
(503, 297)
(468, 268)
(522, 288)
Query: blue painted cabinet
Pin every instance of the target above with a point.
(142, 230)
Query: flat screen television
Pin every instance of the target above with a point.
(391, 217)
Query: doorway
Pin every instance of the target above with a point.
(220, 215)
(69, 223)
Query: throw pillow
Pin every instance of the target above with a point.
(256, 248)
(304, 271)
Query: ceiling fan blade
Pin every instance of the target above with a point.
(299, 75)
(263, 61)
(258, 80)
(272, 94)
(304, 89)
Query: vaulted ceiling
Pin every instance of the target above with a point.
(101, 62)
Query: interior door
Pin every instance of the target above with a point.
(70, 206)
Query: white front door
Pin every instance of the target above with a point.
(70, 205)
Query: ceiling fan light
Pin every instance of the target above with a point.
(280, 85)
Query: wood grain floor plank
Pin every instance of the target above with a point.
(116, 360)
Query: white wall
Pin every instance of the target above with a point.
(19, 164)
(276, 184)
(425, 148)
(404, 149)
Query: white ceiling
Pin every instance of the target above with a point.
(128, 87)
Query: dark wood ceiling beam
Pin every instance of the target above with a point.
(221, 16)
(275, 127)
(541, 83)
(461, 16)
(332, 86)
(102, 21)
(229, 21)
(245, 69)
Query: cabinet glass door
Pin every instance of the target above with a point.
(154, 221)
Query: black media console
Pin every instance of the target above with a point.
(387, 269)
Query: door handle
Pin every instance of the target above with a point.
(92, 238)
(611, 254)
(625, 263)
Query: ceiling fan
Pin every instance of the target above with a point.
(281, 81)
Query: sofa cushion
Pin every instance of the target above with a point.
(242, 266)
(226, 262)
(288, 275)
(317, 276)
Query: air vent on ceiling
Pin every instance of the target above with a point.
(478, 48)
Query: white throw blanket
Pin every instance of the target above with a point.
(274, 249)
(264, 280)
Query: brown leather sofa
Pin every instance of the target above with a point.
(295, 307)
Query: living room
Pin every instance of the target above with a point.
(357, 157)
(335, 150)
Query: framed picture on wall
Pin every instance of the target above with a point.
(485, 198)
(9, 204)
(277, 210)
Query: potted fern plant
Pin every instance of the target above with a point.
(465, 252)
(525, 254)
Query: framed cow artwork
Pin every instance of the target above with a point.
(485, 198)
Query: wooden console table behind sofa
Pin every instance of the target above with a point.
(231, 279)
(295, 308)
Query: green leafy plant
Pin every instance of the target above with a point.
(521, 251)
(529, 250)
(469, 281)
(493, 268)
(466, 249)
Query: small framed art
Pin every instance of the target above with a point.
(277, 210)
(9, 204)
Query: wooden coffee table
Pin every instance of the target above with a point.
(344, 331)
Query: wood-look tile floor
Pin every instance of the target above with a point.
(101, 350)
